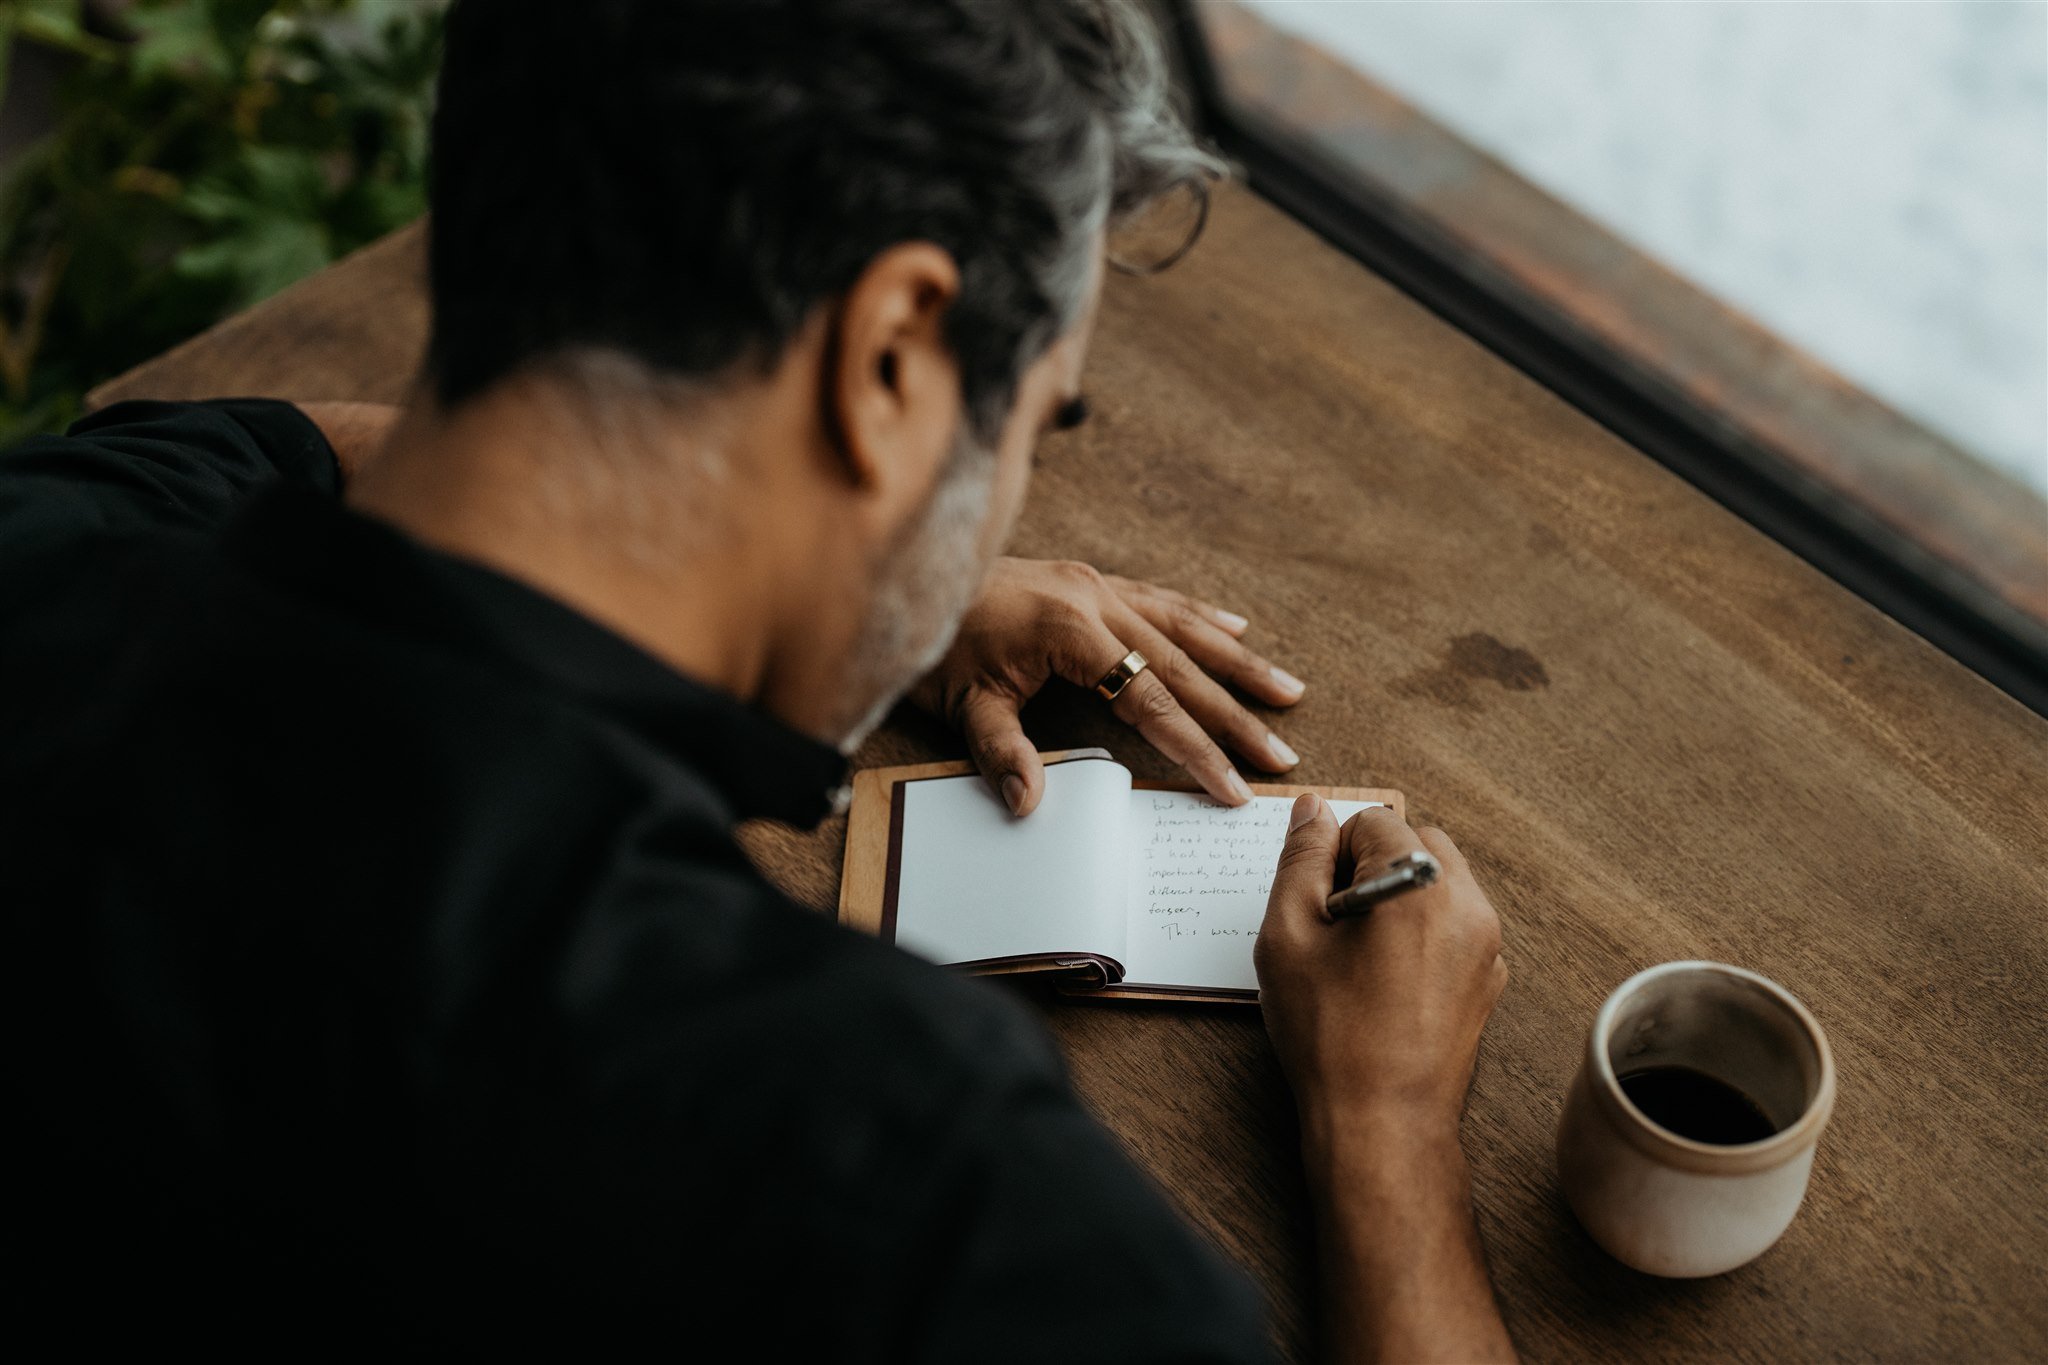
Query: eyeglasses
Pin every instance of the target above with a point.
(1158, 235)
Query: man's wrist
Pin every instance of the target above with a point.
(1394, 1145)
(1404, 1273)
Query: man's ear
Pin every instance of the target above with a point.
(893, 385)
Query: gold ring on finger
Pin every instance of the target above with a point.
(1117, 679)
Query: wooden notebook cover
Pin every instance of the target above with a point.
(864, 882)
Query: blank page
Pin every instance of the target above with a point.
(1199, 875)
(977, 884)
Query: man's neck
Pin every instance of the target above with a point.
(504, 483)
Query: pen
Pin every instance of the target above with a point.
(1405, 873)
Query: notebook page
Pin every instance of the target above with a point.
(1198, 878)
(976, 883)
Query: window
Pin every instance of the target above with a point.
(1798, 252)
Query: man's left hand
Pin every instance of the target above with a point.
(1037, 619)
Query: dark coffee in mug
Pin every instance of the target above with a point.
(1695, 1105)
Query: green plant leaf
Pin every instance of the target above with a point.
(261, 257)
(53, 23)
(177, 41)
(231, 147)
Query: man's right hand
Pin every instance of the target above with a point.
(1376, 1020)
(1381, 1012)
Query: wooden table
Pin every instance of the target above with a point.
(1657, 734)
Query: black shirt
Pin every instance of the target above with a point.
(383, 969)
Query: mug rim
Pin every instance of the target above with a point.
(1657, 1141)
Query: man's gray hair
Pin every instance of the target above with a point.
(1139, 152)
(683, 182)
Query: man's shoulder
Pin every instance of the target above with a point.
(142, 467)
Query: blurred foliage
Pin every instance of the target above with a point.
(204, 156)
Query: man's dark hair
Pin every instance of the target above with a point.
(683, 181)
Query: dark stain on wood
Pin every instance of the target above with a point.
(1470, 659)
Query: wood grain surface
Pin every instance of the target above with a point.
(1656, 734)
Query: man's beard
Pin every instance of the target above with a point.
(922, 590)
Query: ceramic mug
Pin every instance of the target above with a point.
(1670, 1204)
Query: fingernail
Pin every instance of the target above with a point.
(1306, 807)
(1232, 622)
(1234, 784)
(1013, 792)
(1289, 684)
(1281, 753)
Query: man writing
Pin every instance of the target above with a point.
(386, 966)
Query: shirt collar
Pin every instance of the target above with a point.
(317, 546)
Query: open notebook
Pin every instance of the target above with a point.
(1129, 889)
